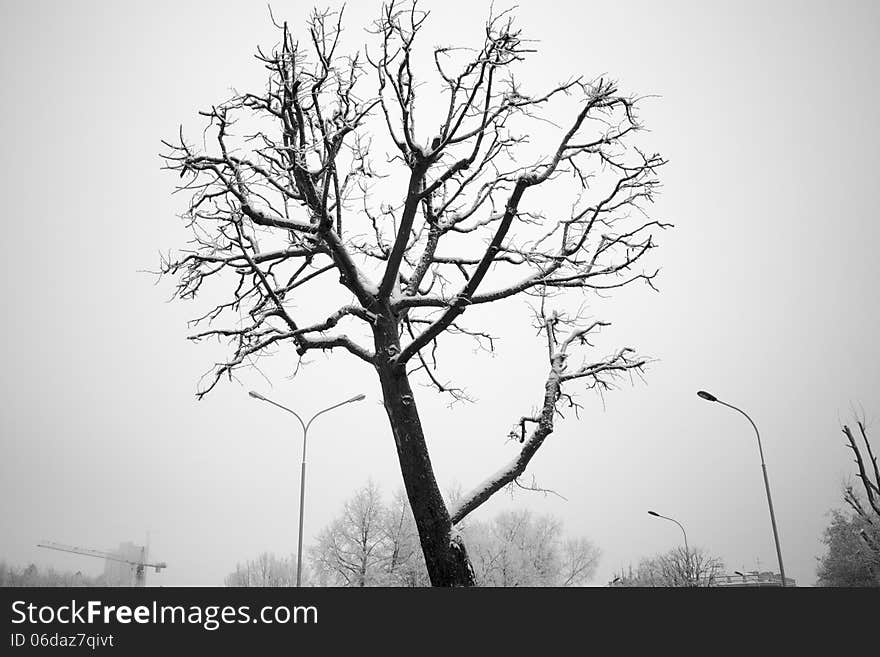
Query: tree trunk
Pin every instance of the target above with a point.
(445, 554)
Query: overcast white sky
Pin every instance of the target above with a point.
(767, 113)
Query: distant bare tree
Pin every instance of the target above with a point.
(464, 212)
(267, 570)
(373, 544)
(580, 558)
(517, 548)
(405, 565)
(676, 568)
(370, 544)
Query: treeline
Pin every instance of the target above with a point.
(676, 568)
(375, 543)
(33, 576)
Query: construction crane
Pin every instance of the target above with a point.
(140, 577)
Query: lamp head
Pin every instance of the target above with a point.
(358, 398)
(702, 394)
(257, 395)
(653, 513)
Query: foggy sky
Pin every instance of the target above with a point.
(767, 295)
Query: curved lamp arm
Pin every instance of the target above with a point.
(330, 408)
(305, 425)
(257, 395)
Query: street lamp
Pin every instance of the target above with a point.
(687, 552)
(302, 479)
(702, 394)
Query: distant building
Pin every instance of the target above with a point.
(119, 573)
(753, 579)
(737, 579)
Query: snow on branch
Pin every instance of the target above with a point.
(599, 375)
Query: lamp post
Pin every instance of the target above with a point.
(302, 478)
(687, 552)
(702, 394)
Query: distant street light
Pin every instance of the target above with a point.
(687, 552)
(302, 479)
(702, 394)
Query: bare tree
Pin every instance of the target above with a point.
(405, 564)
(369, 544)
(580, 558)
(869, 476)
(373, 544)
(267, 570)
(676, 568)
(852, 556)
(286, 195)
(517, 548)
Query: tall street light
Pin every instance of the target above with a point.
(302, 479)
(687, 552)
(702, 394)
